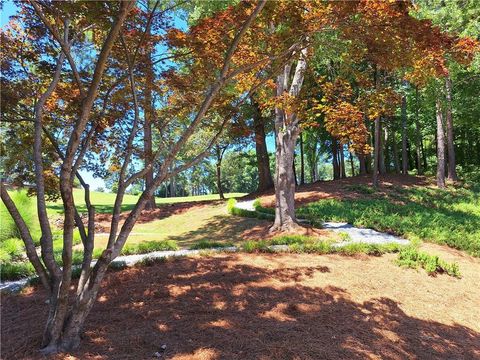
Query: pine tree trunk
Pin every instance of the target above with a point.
(404, 136)
(376, 153)
(265, 180)
(382, 168)
(418, 135)
(452, 171)
(149, 115)
(440, 147)
(336, 166)
(342, 162)
(219, 154)
(352, 167)
(363, 165)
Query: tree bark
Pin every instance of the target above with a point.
(363, 165)
(382, 167)
(376, 153)
(404, 136)
(302, 162)
(452, 171)
(396, 159)
(440, 146)
(147, 126)
(219, 153)
(418, 135)
(287, 130)
(265, 180)
(335, 163)
(343, 174)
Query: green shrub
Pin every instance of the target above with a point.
(149, 246)
(231, 205)
(13, 246)
(412, 258)
(5, 257)
(26, 207)
(450, 217)
(206, 244)
(251, 246)
(16, 270)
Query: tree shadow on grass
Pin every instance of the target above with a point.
(217, 308)
(220, 229)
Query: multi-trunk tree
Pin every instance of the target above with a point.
(64, 27)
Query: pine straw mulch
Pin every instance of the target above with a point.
(344, 189)
(265, 306)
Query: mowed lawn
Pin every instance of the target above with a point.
(209, 222)
(103, 202)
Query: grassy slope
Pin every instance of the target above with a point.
(450, 217)
(104, 201)
(206, 223)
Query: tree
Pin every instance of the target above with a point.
(66, 315)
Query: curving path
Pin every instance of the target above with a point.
(359, 235)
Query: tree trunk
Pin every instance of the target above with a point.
(302, 162)
(440, 146)
(287, 130)
(382, 167)
(219, 153)
(452, 171)
(404, 136)
(336, 166)
(418, 135)
(352, 167)
(149, 116)
(363, 165)
(376, 153)
(342, 162)
(265, 180)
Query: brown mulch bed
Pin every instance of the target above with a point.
(283, 306)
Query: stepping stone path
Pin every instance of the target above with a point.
(355, 234)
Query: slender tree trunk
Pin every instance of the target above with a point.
(342, 162)
(383, 146)
(440, 146)
(418, 135)
(336, 166)
(265, 180)
(352, 167)
(219, 154)
(404, 136)
(376, 153)
(149, 115)
(452, 171)
(363, 165)
(302, 162)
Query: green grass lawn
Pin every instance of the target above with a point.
(450, 217)
(210, 223)
(103, 202)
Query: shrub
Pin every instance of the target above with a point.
(149, 246)
(13, 246)
(16, 270)
(412, 258)
(26, 207)
(207, 244)
(251, 246)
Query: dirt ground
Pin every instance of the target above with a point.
(256, 306)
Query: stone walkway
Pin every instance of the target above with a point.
(355, 234)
